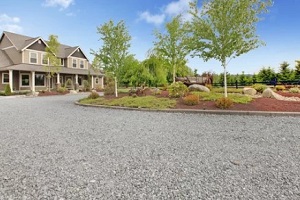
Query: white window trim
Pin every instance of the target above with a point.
(43, 54)
(3, 78)
(73, 62)
(44, 80)
(80, 64)
(21, 80)
(37, 57)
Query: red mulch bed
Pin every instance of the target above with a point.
(258, 104)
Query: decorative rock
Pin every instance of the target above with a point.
(268, 93)
(249, 91)
(73, 92)
(199, 88)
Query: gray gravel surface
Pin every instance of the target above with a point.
(53, 149)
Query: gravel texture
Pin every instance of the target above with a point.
(53, 149)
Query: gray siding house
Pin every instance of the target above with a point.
(23, 64)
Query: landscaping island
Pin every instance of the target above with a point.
(196, 100)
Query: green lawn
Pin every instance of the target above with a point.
(212, 96)
(150, 102)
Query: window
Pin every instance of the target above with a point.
(39, 80)
(61, 80)
(62, 62)
(45, 60)
(74, 63)
(24, 79)
(5, 78)
(33, 57)
(81, 64)
(97, 81)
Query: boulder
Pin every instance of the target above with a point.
(199, 88)
(73, 92)
(249, 91)
(269, 93)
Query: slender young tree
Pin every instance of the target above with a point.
(171, 46)
(53, 66)
(225, 29)
(116, 43)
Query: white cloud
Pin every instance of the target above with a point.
(60, 3)
(179, 7)
(14, 28)
(70, 14)
(153, 19)
(7, 19)
(8, 23)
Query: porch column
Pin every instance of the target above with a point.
(92, 82)
(102, 82)
(58, 78)
(33, 81)
(76, 82)
(10, 75)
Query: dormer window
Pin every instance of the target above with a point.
(33, 57)
(62, 62)
(81, 64)
(74, 63)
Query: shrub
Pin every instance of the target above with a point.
(61, 89)
(69, 84)
(177, 89)
(259, 87)
(86, 85)
(224, 103)
(209, 86)
(294, 90)
(7, 90)
(98, 88)
(93, 95)
(110, 88)
(191, 100)
(280, 87)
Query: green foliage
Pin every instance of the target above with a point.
(116, 43)
(7, 90)
(149, 102)
(285, 73)
(69, 84)
(209, 86)
(259, 87)
(51, 55)
(157, 70)
(171, 46)
(266, 74)
(225, 29)
(280, 87)
(109, 88)
(294, 90)
(229, 90)
(191, 100)
(297, 70)
(224, 103)
(86, 85)
(177, 89)
(212, 96)
(93, 95)
(61, 89)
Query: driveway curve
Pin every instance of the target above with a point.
(53, 149)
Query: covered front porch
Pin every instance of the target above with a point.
(36, 80)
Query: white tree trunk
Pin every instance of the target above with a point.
(225, 79)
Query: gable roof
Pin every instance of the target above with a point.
(21, 42)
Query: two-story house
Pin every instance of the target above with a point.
(23, 64)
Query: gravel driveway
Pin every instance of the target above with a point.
(53, 149)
